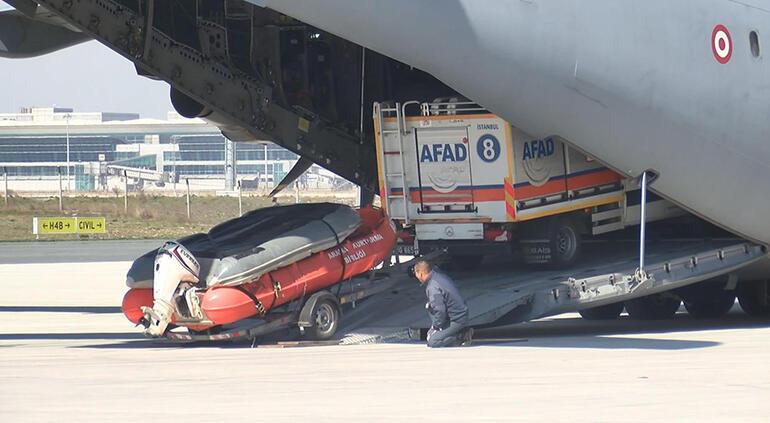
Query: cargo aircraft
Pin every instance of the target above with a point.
(677, 90)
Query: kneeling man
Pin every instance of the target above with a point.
(447, 309)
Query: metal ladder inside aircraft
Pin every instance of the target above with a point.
(401, 173)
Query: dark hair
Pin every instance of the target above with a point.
(423, 265)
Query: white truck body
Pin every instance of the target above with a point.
(469, 175)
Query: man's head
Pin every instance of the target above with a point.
(422, 270)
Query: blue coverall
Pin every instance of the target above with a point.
(447, 309)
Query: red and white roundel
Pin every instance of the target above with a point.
(721, 44)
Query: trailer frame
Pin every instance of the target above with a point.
(294, 314)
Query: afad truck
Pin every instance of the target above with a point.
(459, 178)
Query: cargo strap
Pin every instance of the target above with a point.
(257, 303)
(339, 245)
(276, 285)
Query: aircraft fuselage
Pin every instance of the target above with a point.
(639, 85)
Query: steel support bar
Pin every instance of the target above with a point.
(643, 222)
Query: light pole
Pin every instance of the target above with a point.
(174, 147)
(67, 118)
(266, 187)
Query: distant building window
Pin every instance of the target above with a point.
(754, 41)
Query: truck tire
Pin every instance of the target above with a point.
(554, 243)
(605, 312)
(564, 238)
(754, 298)
(654, 307)
(708, 300)
(325, 320)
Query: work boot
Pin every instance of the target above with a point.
(467, 338)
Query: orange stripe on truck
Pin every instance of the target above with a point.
(602, 177)
(464, 195)
(556, 185)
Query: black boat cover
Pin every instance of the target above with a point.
(240, 250)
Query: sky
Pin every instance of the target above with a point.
(88, 77)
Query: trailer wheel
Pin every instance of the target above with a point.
(754, 298)
(654, 307)
(708, 300)
(325, 320)
(605, 312)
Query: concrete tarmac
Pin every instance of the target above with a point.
(75, 251)
(68, 354)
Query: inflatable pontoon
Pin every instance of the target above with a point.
(247, 266)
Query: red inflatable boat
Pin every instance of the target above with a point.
(366, 247)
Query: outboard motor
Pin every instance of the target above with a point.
(174, 265)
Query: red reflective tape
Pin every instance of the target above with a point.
(508, 188)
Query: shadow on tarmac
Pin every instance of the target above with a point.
(599, 342)
(66, 336)
(126, 340)
(569, 332)
(580, 333)
(547, 333)
(576, 326)
(61, 309)
(146, 343)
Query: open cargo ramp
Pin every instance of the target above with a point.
(500, 294)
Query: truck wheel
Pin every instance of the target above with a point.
(565, 242)
(754, 297)
(554, 243)
(325, 319)
(653, 307)
(708, 300)
(605, 312)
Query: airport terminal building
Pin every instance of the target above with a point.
(94, 151)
